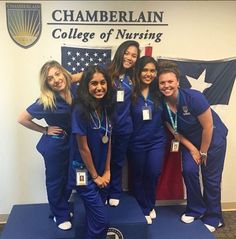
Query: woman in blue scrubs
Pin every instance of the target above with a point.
(202, 136)
(91, 146)
(54, 106)
(147, 143)
(121, 71)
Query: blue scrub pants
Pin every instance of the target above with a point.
(146, 167)
(119, 145)
(97, 218)
(56, 157)
(207, 204)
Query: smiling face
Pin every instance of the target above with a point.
(97, 86)
(130, 57)
(56, 79)
(168, 84)
(148, 74)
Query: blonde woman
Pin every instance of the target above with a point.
(54, 106)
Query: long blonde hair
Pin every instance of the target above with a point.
(47, 96)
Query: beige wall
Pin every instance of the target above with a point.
(202, 30)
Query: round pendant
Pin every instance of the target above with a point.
(105, 139)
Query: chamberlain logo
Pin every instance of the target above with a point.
(24, 23)
(114, 233)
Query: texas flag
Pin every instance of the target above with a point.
(215, 79)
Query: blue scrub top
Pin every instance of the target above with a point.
(98, 149)
(121, 118)
(147, 134)
(60, 116)
(192, 103)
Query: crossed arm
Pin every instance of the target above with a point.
(100, 180)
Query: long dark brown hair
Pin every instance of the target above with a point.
(153, 88)
(116, 68)
(89, 103)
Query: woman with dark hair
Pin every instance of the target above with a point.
(147, 143)
(90, 153)
(201, 136)
(121, 71)
(54, 106)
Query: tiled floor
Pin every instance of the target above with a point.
(226, 232)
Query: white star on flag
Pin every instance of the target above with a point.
(76, 59)
(215, 78)
(199, 84)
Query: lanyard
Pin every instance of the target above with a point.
(121, 81)
(146, 100)
(173, 120)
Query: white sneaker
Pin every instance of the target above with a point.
(211, 228)
(153, 214)
(114, 202)
(65, 225)
(187, 219)
(148, 219)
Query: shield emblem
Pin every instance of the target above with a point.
(24, 23)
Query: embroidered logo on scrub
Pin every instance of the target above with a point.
(185, 110)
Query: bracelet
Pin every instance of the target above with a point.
(46, 130)
(203, 158)
(203, 154)
(95, 177)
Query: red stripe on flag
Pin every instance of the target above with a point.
(148, 51)
(170, 185)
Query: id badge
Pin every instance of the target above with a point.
(81, 177)
(147, 113)
(174, 146)
(120, 95)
